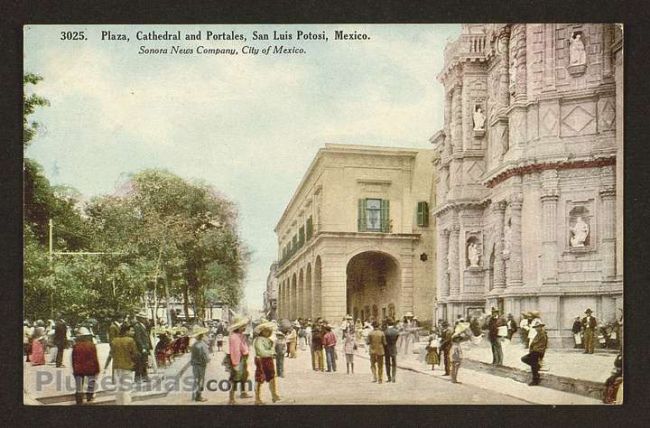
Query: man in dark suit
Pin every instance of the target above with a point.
(390, 350)
(589, 324)
(493, 335)
(445, 345)
(60, 340)
(537, 350)
(376, 343)
(143, 343)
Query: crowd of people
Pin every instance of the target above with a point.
(130, 340)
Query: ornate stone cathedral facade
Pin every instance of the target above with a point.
(529, 173)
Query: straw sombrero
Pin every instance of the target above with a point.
(198, 330)
(83, 331)
(238, 323)
(268, 325)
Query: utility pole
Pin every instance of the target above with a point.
(50, 241)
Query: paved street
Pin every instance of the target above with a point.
(301, 385)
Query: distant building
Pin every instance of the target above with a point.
(529, 209)
(356, 237)
(271, 294)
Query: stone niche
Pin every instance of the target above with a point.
(577, 54)
(580, 223)
(473, 251)
(479, 120)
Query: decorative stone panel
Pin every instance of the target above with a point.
(578, 119)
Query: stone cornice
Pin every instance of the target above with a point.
(521, 170)
(460, 204)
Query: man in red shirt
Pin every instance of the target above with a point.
(329, 343)
(85, 364)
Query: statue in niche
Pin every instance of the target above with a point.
(479, 119)
(577, 54)
(473, 254)
(579, 233)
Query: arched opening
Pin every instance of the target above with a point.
(373, 281)
(308, 293)
(280, 298)
(293, 309)
(491, 268)
(317, 293)
(300, 294)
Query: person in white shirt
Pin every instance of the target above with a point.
(524, 329)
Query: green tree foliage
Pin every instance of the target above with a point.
(183, 229)
(30, 103)
(158, 232)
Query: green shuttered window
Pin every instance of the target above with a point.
(373, 215)
(423, 214)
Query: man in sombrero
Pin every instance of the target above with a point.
(589, 324)
(238, 357)
(200, 357)
(264, 364)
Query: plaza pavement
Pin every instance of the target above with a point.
(416, 383)
(56, 385)
(302, 385)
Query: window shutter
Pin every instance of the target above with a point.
(310, 228)
(385, 215)
(361, 219)
(425, 214)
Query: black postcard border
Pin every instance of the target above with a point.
(14, 14)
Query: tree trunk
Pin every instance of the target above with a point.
(186, 299)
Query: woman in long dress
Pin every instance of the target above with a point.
(433, 358)
(37, 356)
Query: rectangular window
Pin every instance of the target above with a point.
(374, 215)
(310, 228)
(301, 236)
(423, 214)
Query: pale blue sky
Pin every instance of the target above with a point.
(249, 125)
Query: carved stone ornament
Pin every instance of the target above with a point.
(479, 121)
(473, 254)
(579, 233)
(577, 55)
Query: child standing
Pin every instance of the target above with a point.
(462, 334)
(349, 347)
(280, 350)
(264, 367)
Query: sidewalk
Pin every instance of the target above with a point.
(560, 362)
(49, 385)
(568, 376)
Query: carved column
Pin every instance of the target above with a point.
(549, 200)
(454, 265)
(457, 118)
(514, 266)
(549, 237)
(518, 62)
(447, 113)
(503, 43)
(549, 57)
(499, 265)
(608, 215)
(443, 255)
